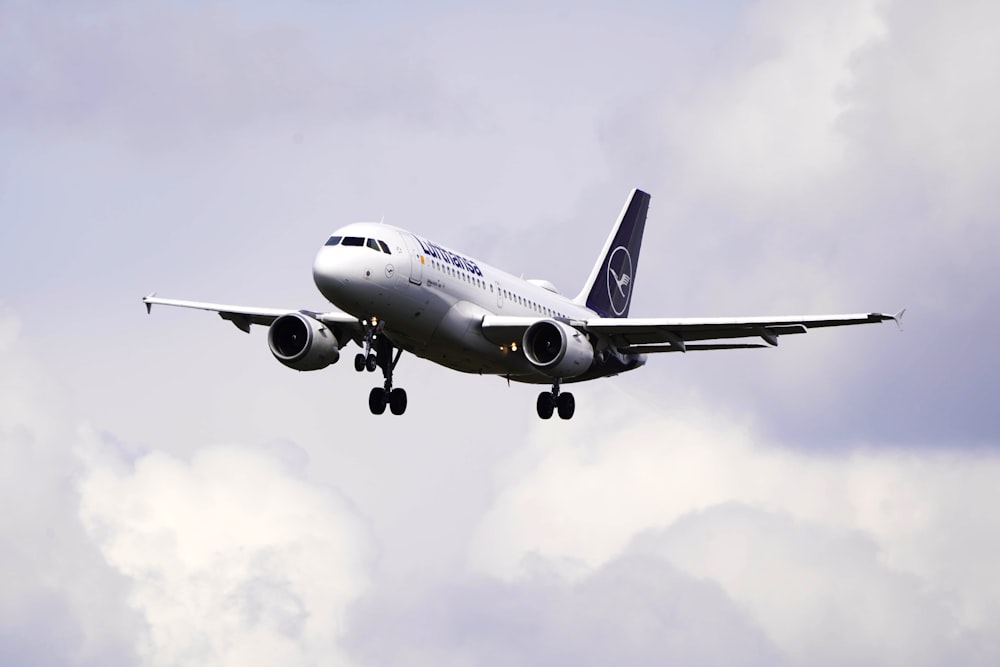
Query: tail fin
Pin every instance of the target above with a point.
(608, 290)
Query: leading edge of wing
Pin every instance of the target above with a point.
(244, 316)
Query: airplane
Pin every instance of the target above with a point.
(396, 291)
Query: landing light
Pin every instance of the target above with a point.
(513, 347)
(374, 320)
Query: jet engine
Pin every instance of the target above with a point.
(302, 342)
(557, 349)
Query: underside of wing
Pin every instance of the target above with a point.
(502, 329)
(632, 336)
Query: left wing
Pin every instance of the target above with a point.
(244, 316)
(642, 335)
(632, 336)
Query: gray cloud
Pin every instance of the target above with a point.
(635, 610)
(822, 595)
(879, 556)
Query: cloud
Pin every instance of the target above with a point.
(61, 604)
(877, 555)
(232, 559)
(114, 555)
(768, 124)
(635, 610)
(821, 593)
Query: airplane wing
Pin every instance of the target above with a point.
(631, 336)
(244, 316)
(645, 335)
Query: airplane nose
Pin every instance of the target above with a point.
(325, 273)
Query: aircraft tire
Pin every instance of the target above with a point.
(371, 363)
(377, 400)
(397, 401)
(567, 406)
(359, 362)
(545, 405)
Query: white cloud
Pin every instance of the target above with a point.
(61, 604)
(769, 125)
(232, 559)
(113, 556)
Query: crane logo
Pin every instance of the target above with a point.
(619, 279)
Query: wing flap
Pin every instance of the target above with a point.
(644, 349)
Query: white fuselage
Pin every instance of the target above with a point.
(432, 300)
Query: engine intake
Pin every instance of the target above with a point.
(302, 342)
(557, 349)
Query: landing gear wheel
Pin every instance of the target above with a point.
(371, 363)
(545, 405)
(359, 362)
(377, 400)
(567, 406)
(397, 401)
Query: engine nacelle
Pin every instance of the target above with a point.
(557, 349)
(302, 342)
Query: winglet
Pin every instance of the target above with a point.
(149, 305)
(898, 318)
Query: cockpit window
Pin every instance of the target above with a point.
(385, 248)
(334, 240)
(373, 244)
(353, 240)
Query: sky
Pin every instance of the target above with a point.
(170, 494)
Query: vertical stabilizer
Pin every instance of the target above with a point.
(608, 290)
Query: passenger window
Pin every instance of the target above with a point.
(385, 248)
(353, 241)
(334, 240)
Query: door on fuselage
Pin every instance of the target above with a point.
(416, 258)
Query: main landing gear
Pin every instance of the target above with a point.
(552, 401)
(383, 358)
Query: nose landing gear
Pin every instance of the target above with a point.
(367, 361)
(553, 401)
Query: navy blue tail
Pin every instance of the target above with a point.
(609, 289)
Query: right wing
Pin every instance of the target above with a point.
(244, 316)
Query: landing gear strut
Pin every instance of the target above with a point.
(367, 361)
(380, 397)
(553, 401)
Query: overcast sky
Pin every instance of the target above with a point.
(170, 494)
